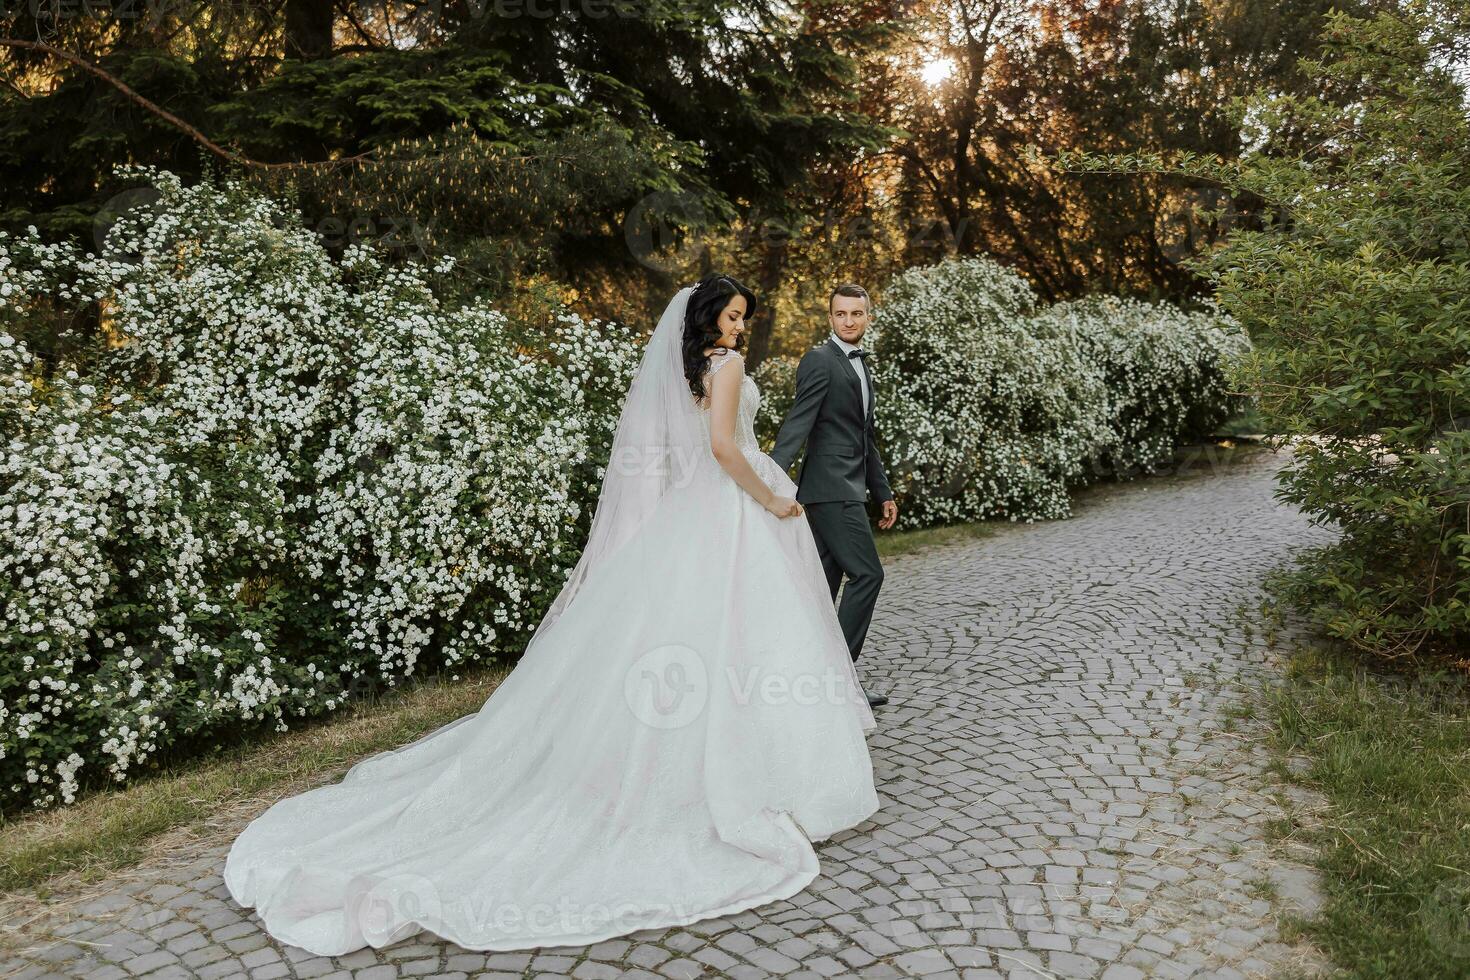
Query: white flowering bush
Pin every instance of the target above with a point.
(281, 481)
(994, 407)
(1163, 371)
(776, 378)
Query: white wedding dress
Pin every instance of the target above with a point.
(665, 751)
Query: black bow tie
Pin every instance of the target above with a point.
(856, 353)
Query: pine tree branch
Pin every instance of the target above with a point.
(167, 116)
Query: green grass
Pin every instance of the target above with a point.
(1391, 755)
(115, 829)
(894, 543)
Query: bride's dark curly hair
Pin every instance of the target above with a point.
(711, 295)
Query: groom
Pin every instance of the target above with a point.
(833, 416)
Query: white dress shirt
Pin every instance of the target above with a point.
(852, 363)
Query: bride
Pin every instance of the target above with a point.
(685, 721)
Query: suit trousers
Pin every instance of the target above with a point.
(845, 541)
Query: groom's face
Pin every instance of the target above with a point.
(848, 316)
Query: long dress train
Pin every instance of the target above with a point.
(667, 752)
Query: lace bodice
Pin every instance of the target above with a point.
(750, 401)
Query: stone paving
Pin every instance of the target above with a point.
(1061, 794)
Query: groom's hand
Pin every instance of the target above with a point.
(890, 514)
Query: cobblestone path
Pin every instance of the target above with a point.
(1062, 796)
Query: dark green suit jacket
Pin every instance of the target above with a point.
(841, 461)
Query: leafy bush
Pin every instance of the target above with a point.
(992, 406)
(283, 480)
(1355, 292)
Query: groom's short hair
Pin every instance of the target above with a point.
(849, 289)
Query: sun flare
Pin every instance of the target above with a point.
(936, 70)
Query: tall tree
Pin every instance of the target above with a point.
(990, 80)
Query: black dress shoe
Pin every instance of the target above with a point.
(874, 700)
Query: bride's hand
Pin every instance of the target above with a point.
(784, 506)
